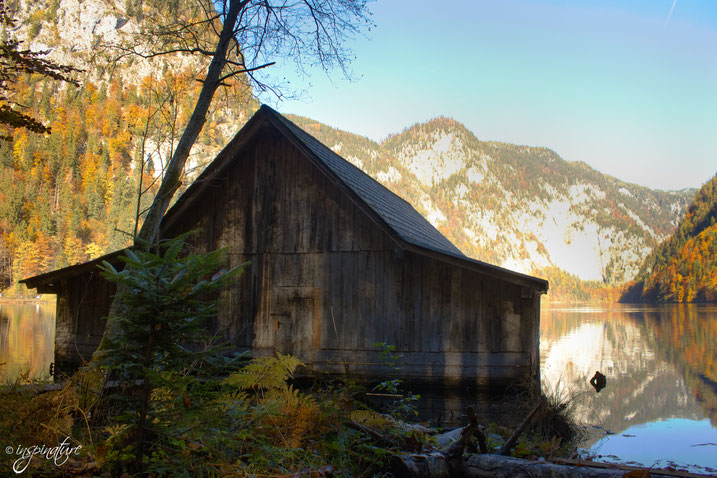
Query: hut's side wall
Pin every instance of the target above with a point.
(451, 326)
(326, 283)
(82, 305)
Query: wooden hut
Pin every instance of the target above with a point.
(338, 263)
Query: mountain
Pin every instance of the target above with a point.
(521, 207)
(684, 267)
(73, 195)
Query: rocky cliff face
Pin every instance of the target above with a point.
(86, 34)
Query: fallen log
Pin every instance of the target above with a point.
(432, 464)
(448, 462)
(499, 466)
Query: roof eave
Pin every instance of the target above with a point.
(48, 283)
(536, 284)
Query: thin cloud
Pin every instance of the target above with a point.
(671, 10)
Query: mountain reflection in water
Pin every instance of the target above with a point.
(661, 366)
(27, 336)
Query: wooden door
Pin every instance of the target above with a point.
(293, 315)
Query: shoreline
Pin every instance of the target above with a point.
(45, 299)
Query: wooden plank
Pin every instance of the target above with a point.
(294, 215)
(248, 206)
(457, 319)
(318, 211)
(432, 366)
(334, 303)
(354, 287)
(316, 327)
(306, 269)
(263, 327)
(367, 300)
(393, 286)
(471, 291)
(416, 298)
(481, 376)
(362, 230)
(345, 231)
(444, 324)
(257, 224)
(468, 359)
(302, 322)
(332, 214)
(431, 291)
(493, 333)
(304, 194)
(379, 321)
(266, 187)
(377, 240)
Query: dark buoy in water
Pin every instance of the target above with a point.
(598, 381)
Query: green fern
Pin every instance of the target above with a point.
(265, 373)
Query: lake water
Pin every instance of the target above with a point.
(659, 406)
(660, 403)
(27, 340)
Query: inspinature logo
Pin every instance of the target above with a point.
(58, 454)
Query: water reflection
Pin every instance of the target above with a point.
(659, 362)
(27, 334)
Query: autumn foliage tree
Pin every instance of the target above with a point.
(684, 267)
(15, 61)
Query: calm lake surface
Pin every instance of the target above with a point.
(659, 406)
(660, 403)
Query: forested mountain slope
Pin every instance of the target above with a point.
(684, 267)
(72, 195)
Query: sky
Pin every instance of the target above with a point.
(627, 86)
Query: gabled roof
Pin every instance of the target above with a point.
(48, 282)
(391, 212)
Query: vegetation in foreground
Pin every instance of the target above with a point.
(254, 423)
(197, 410)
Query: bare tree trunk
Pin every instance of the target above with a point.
(173, 173)
(149, 232)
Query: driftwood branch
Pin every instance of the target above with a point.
(505, 449)
(449, 462)
(454, 453)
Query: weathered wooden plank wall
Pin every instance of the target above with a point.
(325, 277)
(82, 305)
